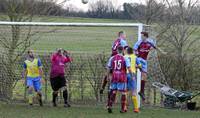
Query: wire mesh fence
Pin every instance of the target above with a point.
(84, 77)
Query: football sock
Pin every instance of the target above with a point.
(135, 102)
(123, 103)
(54, 94)
(112, 98)
(142, 86)
(30, 97)
(65, 96)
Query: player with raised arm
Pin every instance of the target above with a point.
(118, 82)
(33, 73)
(142, 49)
(57, 76)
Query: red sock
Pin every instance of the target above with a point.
(112, 98)
(109, 94)
(142, 86)
(123, 102)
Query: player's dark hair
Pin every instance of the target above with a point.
(120, 33)
(120, 49)
(129, 50)
(145, 34)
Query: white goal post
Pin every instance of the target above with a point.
(139, 26)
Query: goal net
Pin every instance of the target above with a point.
(89, 45)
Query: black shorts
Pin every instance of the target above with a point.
(57, 83)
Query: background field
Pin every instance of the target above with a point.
(83, 39)
(78, 39)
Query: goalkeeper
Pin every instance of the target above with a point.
(57, 75)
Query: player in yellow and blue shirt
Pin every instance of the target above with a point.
(33, 73)
(131, 77)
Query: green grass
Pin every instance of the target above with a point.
(24, 111)
(76, 39)
(83, 39)
(71, 19)
(79, 19)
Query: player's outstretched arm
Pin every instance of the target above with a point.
(154, 46)
(161, 51)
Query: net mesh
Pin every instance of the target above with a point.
(90, 48)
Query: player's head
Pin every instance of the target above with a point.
(145, 35)
(120, 49)
(30, 53)
(125, 50)
(129, 50)
(59, 51)
(122, 34)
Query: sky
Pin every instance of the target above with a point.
(84, 7)
(80, 6)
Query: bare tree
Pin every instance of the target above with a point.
(176, 34)
(95, 72)
(103, 9)
(149, 12)
(154, 11)
(15, 40)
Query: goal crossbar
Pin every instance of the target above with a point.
(77, 24)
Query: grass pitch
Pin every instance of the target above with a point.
(24, 111)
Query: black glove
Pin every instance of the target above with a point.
(101, 91)
(66, 53)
